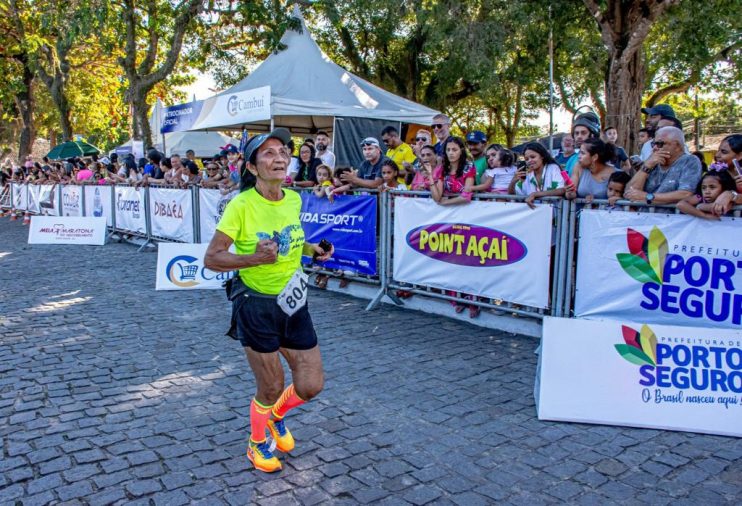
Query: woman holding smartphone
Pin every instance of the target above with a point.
(541, 177)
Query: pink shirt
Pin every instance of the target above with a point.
(84, 174)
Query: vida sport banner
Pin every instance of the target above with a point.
(641, 375)
(660, 268)
(181, 267)
(349, 223)
(130, 213)
(171, 212)
(67, 230)
(505, 255)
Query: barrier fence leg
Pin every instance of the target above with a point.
(383, 233)
(572, 235)
(83, 211)
(195, 205)
(147, 221)
(113, 211)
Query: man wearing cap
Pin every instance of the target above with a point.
(400, 152)
(586, 126)
(269, 311)
(476, 141)
(368, 174)
(651, 123)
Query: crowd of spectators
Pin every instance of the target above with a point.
(453, 169)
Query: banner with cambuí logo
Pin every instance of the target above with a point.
(505, 255)
(171, 212)
(72, 200)
(660, 268)
(641, 375)
(181, 267)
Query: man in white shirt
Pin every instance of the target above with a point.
(322, 145)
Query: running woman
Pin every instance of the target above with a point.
(271, 317)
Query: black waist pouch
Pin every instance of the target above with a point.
(235, 289)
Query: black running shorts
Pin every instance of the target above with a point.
(264, 327)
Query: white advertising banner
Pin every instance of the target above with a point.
(20, 196)
(130, 213)
(67, 230)
(171, 212)
(235, 109)
(34, 192)
(505, 255)
(181, 267)
(211, 207)
(641, 375)
(72, 200)
(98, 202)
(660, 268)
(49, 199)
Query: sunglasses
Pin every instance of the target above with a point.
(659, 144)
(436, 126)
(421, 139)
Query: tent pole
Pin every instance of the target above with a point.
(273, 123)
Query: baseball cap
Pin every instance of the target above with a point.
(663, 110)
(230, 148)
(251, 148)
(370, 141)
(589, 120)
(476, 136)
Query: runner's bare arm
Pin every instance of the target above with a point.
(219, 259)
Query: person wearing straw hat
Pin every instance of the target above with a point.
(269, 311)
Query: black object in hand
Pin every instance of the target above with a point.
(325, 245)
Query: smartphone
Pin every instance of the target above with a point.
(325, 245)
(635, 159)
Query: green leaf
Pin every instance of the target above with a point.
(633, 355)
(637, 268)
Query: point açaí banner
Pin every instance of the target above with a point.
(171, 213)
(641, 375)
(493, 249)
(181, 267)
(349, 223)
(660, 268)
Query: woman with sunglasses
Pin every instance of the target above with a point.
(212, 177)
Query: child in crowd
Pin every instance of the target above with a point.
(339, 188)
(324, 181)
(701, 204)
(616, 186)
(390, 176)
(500, 169)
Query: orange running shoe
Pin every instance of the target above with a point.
(262, 457)
(281, 435)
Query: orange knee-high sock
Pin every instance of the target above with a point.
(259, 416)
(288, 400)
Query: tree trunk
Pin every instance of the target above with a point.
(624, 86)
(140, 117)
(63, 106)
(25, 102)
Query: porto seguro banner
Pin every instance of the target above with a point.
(98, 202)
(641, 375)
(349, 223)
(72, 200)
(171, 212)
(211, 205)
(660, 268)
(130, 212)
(499, 250)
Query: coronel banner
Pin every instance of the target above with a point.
(641, 375)
(506, 255)
(171, 212)
(67, 230)
(660, 268)
(181, 267)
(130, 213)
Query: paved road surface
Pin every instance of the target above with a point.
(111, 392)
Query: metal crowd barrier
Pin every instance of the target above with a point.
(565, 216)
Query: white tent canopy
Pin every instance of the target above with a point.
(308, 90)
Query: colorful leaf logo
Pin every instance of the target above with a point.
(640, 347)
(645, 261)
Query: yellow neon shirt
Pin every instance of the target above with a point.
(248, 218)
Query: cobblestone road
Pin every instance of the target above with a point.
(111, 392)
